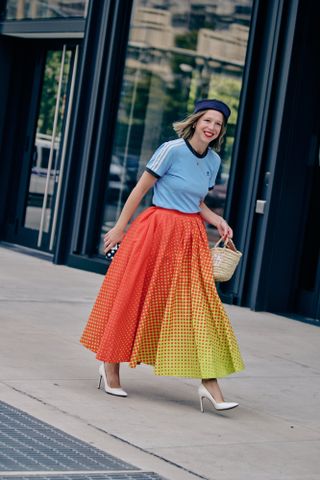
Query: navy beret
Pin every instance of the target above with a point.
(208, 104)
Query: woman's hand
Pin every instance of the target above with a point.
(214, 219)
(225, 231)
(114, 236)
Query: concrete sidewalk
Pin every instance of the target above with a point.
(274, 434)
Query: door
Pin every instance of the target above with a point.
(43, 160)
(308, 292)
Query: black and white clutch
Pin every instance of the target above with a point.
(111, 253)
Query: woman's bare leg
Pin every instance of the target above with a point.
(212, 386)
(113, 374)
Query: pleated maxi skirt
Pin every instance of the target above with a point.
(158, 303)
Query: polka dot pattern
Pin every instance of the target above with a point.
(158, 303)
(111, 253)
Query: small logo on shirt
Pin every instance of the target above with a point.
(208, 174)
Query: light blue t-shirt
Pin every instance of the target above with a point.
(184, 176)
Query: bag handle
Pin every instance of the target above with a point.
(227, 244)
(219, 241)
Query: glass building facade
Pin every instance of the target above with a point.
(90, 89)
(36, 9)
(177, 53)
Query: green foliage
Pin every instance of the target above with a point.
(187, 40)
(50, 90)
(228, 90)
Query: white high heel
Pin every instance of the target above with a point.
(118, 392)
(204, 393)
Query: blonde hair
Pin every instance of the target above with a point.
(185, 129)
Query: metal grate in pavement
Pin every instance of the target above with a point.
(28, 444)
(107, 476)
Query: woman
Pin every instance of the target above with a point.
(158, 303)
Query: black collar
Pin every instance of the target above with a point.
(197, 154)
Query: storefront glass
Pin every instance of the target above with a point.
(178, 52)
(35, 9)
(46, 174)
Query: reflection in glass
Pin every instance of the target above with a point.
(28, 9)
(44, 141)
(178, 52)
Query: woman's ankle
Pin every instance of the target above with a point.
(212, 386)
(112, 372)
(208, 381)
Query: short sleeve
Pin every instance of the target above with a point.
(160, 161)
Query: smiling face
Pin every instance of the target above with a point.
(208, 127)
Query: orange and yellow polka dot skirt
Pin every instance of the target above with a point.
(158, 303)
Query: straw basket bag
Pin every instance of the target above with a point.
(225, 260)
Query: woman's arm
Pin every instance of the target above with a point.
(215, 219)
(116, 234)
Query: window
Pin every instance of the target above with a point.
(35, 9)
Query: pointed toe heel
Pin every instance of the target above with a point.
(204, 393)
(117, 392)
